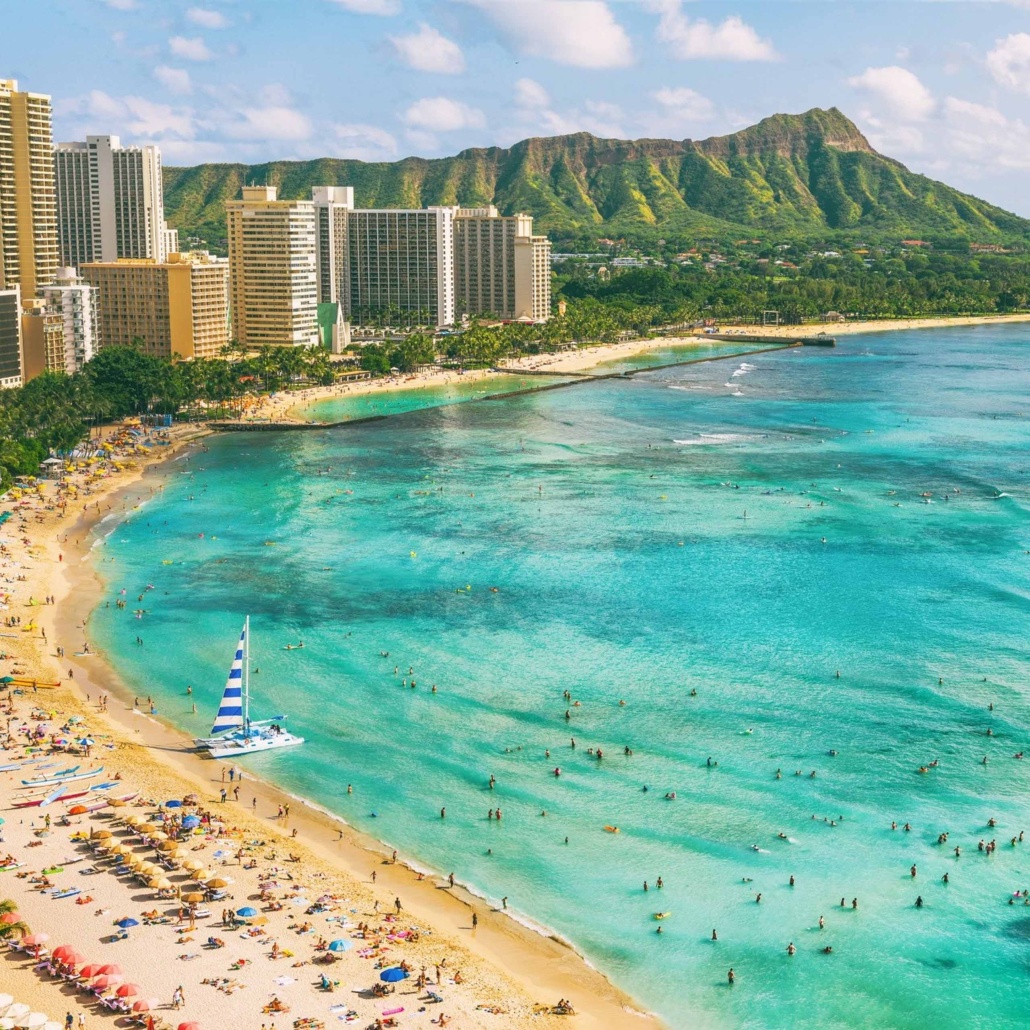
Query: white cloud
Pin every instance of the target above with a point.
(898, 90)
(441, 114)
(190, 49)
(175, 80)
(99, 112)
(684, 104)
(365, 142)
(207, 19)
(529, 93)
(122, 5)
(1009, 62)
(381, 7)
(581, 33)
(428, 51)
(974, 130)
(689, 38)
(268, 122)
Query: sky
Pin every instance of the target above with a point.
(942, 86)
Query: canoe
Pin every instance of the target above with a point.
(52, 781)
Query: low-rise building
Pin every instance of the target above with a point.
(75, 301)
(176, 309)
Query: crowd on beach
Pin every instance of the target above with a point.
(197, 917)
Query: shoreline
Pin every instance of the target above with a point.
(520, 962)
(290, 407)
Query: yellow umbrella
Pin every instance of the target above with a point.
(161, 884)
(116, 803)
(193, 864)
(158, 835)
(167, 845)
(193, 898)
(134, 862)
(101, 834)
(200, 875)
(132, 820)
(216, 883)
(148, 867)
(119, 849)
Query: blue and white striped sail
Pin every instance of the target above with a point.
(230, 711)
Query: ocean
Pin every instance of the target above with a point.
(693, 554)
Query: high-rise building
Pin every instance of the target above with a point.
(42, 340)
(110, 201)
(273, 279)
(76, 302)
(332, 203)
(28, 218)
(10, 338)
(175, 309)
(533, 278)
(400, 266)
(495, 261)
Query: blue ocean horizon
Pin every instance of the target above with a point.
(693, 554)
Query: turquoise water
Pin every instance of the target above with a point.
(610, 519)
(396, 402)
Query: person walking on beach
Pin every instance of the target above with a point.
(397, 905)
(225, 794)
(475, 920)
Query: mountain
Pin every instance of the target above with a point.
(809, 175)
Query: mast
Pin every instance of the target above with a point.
(246, 675)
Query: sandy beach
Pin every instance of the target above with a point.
(507, 974)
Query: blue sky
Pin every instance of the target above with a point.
(942, 86)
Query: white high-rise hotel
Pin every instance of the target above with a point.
(110, 203)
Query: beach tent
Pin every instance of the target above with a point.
(340, 945)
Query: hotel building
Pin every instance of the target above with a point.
(332, 205)
(272, 269)
(10, 338)
(110, 203)
(500, 267)
(177, 309)
(42, 340)
(76, 302)
(400, 263)
(28, 217)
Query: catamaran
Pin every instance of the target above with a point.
(245, 736)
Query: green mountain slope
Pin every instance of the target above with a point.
(809, 174)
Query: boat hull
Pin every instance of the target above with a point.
(237, 748)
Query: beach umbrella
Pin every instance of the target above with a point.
(393, 975)
(133, 820)
(145, 1004)
(200, 875)
(6, 679)
(174, 803)
(33, 1021)
(120, 849)
(340, 945)
(74, 719)
(193, 898)
(127, 922)
(101, 834)
(6, 1000)
(36, 939)
(108, 980)
(157, 835)
(129, 990)
(148, 867)
(191, 822)
(62, 951)
(188, 1026)
(78, 810)
(216, 883)
(17, 1010)
(193, 864)
(87, 742)
(115, 802)
(8, 918)
(163, 884)
(90, 971)
(167, 845)
(246, 912)
(112, 969)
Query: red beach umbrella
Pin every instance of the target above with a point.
(90, 971)
(61, 950)
(67, 953)
(145, 1004)
(35, 939)
(189, 1026)
(108, 980)
(78, 810)
(10, 917)
(129, 990)
(112, 968)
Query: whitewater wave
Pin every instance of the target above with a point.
(743, 370)
(715, 439)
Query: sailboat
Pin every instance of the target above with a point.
(234, 733)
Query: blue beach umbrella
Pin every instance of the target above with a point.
(393, 975)
(87, 742)
(340, 945)
(247, 912)
(191, 822)
(173, 804)
(126, 923)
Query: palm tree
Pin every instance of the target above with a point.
(16, 929)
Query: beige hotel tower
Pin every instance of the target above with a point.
(273, 284)
(28, 213)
